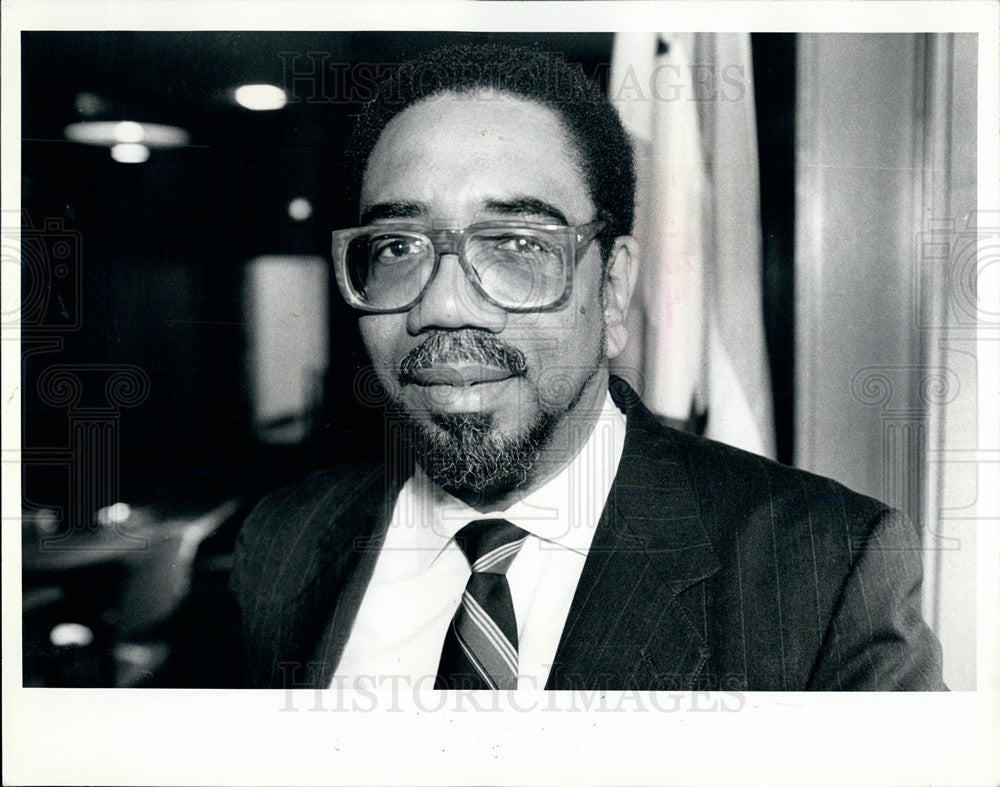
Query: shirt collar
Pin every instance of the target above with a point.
(565, 510)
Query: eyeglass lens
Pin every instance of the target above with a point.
(516, 268)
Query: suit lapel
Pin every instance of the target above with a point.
(354, 572)
(631, 625)
(317, 616)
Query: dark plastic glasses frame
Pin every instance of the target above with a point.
(453, 241)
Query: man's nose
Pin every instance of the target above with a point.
(450, 301)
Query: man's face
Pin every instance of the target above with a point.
(482, 384)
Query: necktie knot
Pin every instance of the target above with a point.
(490, 544)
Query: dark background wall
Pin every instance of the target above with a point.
(140, 267)
(162, 244)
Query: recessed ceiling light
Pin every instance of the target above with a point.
(300, 209)
(89, 104)
(129, 153)
(110, 132)
(261, 98)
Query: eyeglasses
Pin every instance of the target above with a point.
(516, 266)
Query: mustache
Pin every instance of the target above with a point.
(469, 345)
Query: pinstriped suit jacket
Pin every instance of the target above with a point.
(711, 568)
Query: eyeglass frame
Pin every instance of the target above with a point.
(444, 240)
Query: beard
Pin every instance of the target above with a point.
(463, 453)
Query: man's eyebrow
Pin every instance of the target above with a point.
(521, 206)
(392, 210)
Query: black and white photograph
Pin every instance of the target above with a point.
(727, 446)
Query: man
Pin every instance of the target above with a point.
(532, 525)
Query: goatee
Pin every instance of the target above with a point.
(461, 453)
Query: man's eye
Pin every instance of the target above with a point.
(520, 245)
(397, 249)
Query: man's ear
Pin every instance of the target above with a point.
(619, 282)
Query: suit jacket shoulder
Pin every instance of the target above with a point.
(816, 586)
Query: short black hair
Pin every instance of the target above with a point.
(593, 125)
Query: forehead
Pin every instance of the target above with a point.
(452, 154)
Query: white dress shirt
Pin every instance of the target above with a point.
(421, 572)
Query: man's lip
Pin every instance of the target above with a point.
(460, 374)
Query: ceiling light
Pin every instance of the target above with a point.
(110, 132)
(300, 209)
(89, 104)
(115, 514)
(129, 153)
(261, 98)
(71, 634)
(129, 131)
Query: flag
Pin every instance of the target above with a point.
(696, 332)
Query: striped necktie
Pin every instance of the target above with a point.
(480, 648)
